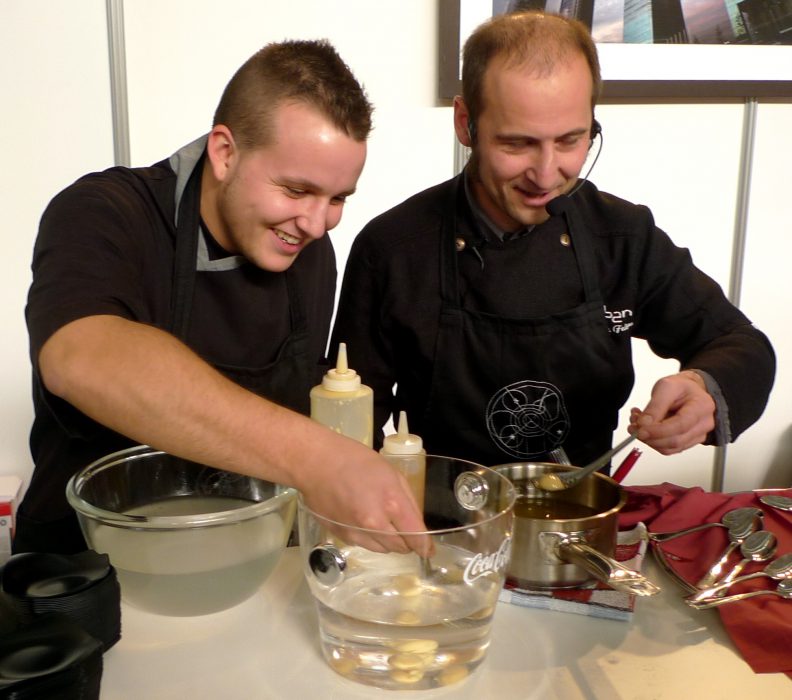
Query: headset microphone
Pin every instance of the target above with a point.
(596, 130)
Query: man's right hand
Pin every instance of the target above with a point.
(359, 488)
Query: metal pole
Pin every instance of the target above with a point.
(738, 246)
(118, 84)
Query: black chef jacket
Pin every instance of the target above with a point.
(391, 317)
(107, 245)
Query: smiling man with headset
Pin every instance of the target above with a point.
(502, 303)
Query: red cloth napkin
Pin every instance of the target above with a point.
(761, 627)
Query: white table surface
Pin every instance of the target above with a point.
(268, 647)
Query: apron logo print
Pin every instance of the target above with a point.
(620, 321)
(527, 418)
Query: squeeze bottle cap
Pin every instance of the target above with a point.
(403, 442)
(341, 378)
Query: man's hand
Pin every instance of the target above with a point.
(679, 414)
(365, 491)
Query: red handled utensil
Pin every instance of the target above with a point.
(626, 465)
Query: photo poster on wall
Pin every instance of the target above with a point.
(671, 40)
(671, 21)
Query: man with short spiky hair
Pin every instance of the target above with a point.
(187, 305)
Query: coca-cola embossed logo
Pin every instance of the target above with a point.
(483, 564)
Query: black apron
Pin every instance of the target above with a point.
(512, 389)
(286, 380)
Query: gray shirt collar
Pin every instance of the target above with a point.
(183, 162)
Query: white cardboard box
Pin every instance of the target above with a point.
(9, 493)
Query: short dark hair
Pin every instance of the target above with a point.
(309, 72)
(536, 39)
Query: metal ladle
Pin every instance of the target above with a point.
(778, 569)
(783, 590)
(738, 533)
(552, 481)
(729, 519)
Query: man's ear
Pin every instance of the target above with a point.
(221, 151)
(464, 128)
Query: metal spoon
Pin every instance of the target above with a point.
(559, 481)
(739, 515)
(427, 571)
(778, 569)
(738, 533)
(759, 546)
(732, 517)
(780, 502)
(783, 590)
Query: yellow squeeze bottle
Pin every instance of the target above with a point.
(342, 403)
(405, 452)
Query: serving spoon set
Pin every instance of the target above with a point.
(754, 544)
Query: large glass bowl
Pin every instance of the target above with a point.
(185, 539)
(400, 622)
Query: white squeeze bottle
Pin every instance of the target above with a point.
(343, 403)
(405, 452)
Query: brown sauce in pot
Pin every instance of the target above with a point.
(551, 509)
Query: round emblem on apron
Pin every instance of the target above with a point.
(527, 418)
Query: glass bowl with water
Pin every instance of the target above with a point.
(401, 622)
(185, 539)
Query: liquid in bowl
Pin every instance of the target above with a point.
(395, 629)
(192, 571)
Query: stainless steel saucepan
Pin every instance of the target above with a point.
(566, 538)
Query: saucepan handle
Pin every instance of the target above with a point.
(619, 577)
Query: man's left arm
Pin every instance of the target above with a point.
(727, 366)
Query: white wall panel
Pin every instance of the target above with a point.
(683, 162)
(56, 126)
(763, 455)
(181, 54)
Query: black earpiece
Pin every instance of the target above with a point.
(596, 130)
